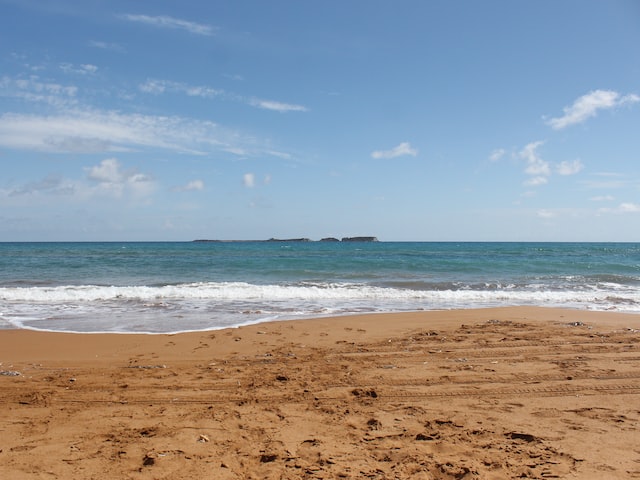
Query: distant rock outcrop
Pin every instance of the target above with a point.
(359, 239)
(303, 239)
(288, 240)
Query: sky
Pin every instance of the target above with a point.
(441, 120)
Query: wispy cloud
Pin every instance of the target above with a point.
(157, 87)
(497, 154)
(276, 106)
(603, 198)
(33, 89)
(627, 207)
(58, 120)
(234, 76)
(84, 69)
(68, 126)
(161, 86)
(609, 181)
(536, 181)
(588, 105)
(283, 155)
(165, 21)
(52, 185)
(92, 131)
(402, 149)
(115, 47)
(569, 168)
(192, 186)
(154, 87)
(544, 213)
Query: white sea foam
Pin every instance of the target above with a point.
(211, 305)
(335, 291)
(238, 291)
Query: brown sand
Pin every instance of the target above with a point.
(491, 394)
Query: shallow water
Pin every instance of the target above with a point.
(182, 286)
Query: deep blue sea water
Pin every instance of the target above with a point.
(181, 286)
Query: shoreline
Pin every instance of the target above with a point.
(310, 317)
(485, 393)
(383, 323)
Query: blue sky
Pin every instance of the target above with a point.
(407, 120)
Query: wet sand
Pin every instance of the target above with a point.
(466, 394)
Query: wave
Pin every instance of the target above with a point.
(311, 291)
(214, 305)
(308, 298)
(208, 290)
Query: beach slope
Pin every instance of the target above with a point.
(492, 393)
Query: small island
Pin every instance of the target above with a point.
(359, 239)
(288, 240)
(301, 239)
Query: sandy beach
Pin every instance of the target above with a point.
(467, 394)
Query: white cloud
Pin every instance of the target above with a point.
(70, 127)
(603, 198)
(283, 155)
(249, 180)
(112, 180)
(193, 185)
(276, 106)
(587, 106)
(623, 208)
(108, 171)
(402, 149)
(629, 208)
(92, 131)
(106, 46)
(155, 86)
(497, 154)
(88, 68)
(107, 178)
(239, 151)
(84, 69)
(536, 166)
(34, 90)
(50, 185)
(569, 168)
(201, 91)
(165, 21)
(536, 181)
(546, 213)
(161, 86)
(540, 170)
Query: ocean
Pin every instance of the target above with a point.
(163, 287)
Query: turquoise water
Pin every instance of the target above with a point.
(181, 286)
